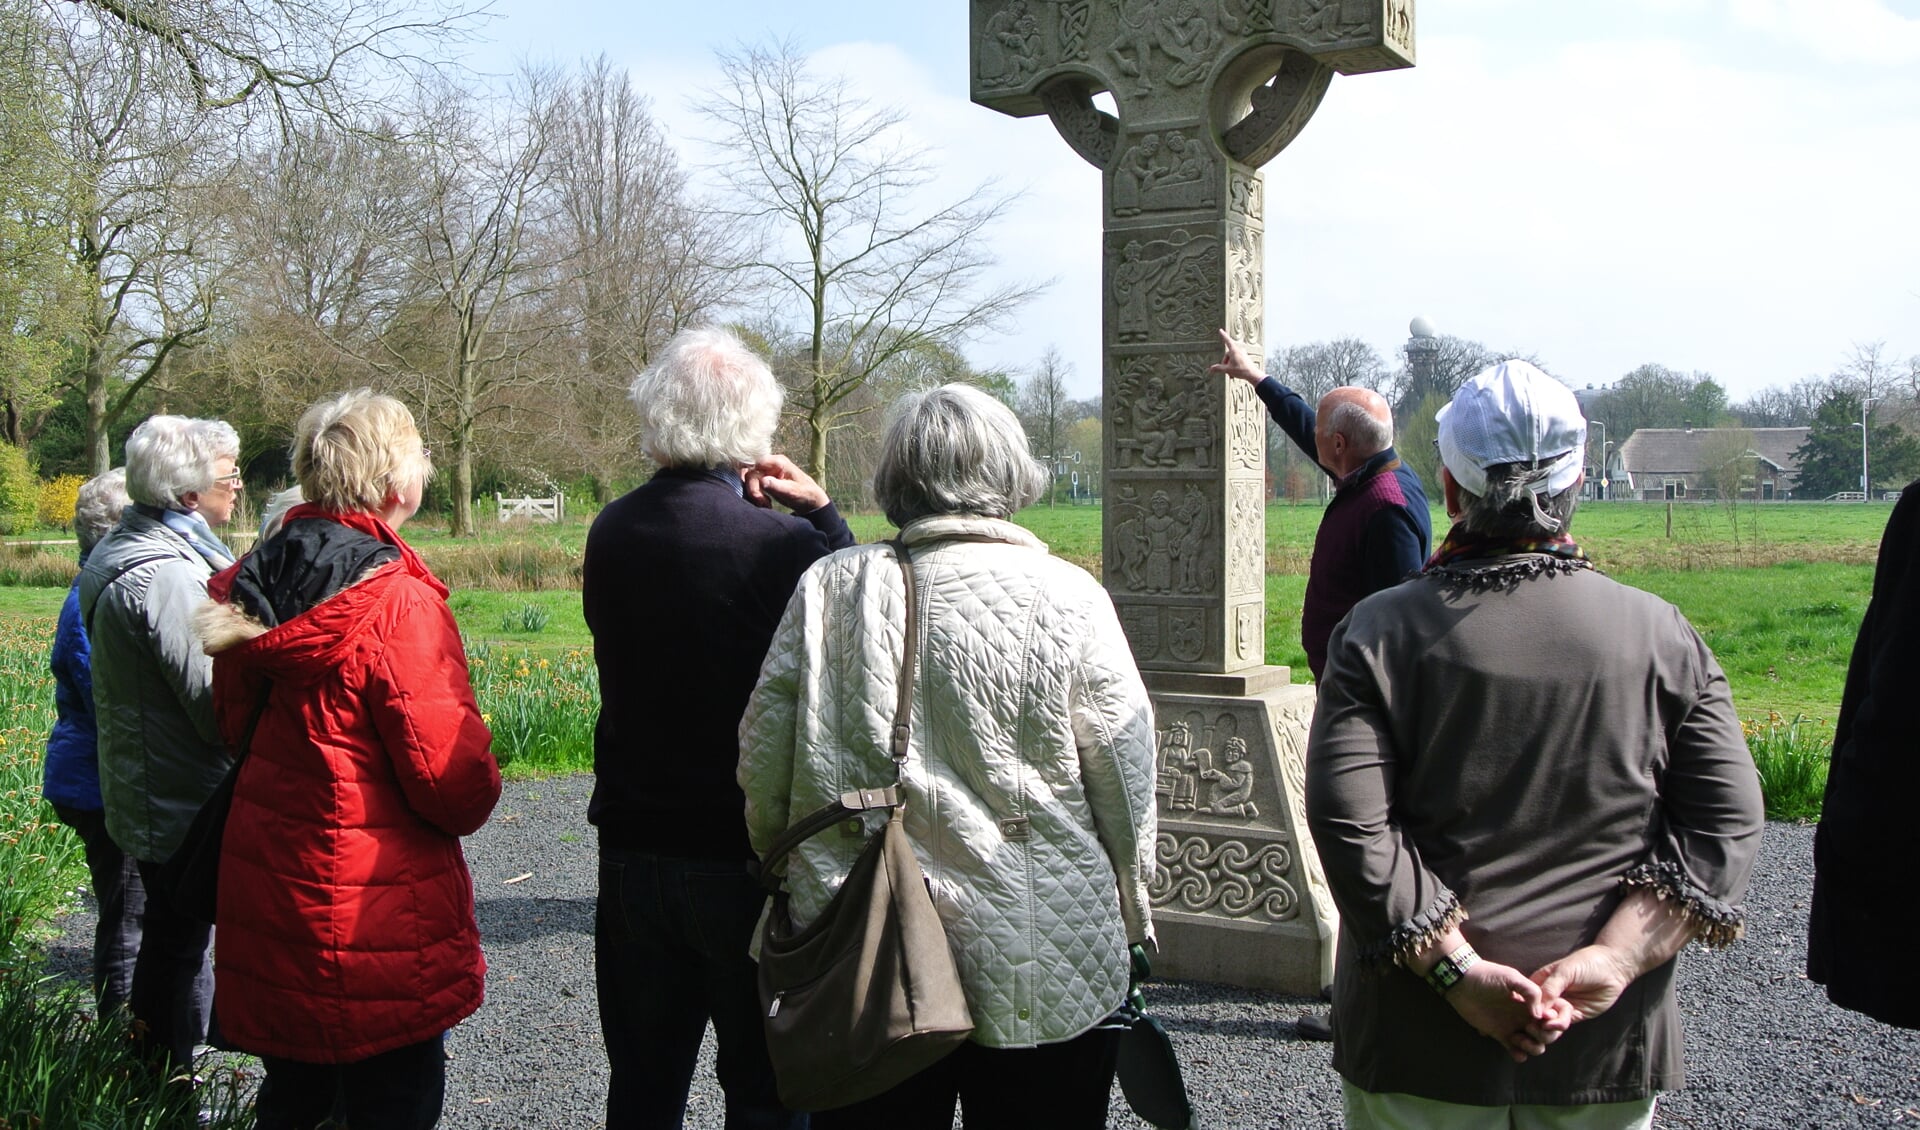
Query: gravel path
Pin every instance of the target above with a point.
(1764, 1048)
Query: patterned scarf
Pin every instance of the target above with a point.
(1461, 544)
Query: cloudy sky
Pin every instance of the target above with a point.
(1717, 185)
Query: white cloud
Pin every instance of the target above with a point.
(1840, 31)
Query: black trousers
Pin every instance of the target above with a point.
(398, 1090)
(122, 899)
(1061, 1086)
(172, 991)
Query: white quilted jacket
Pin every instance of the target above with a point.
(1030, 774)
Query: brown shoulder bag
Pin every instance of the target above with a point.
(867, 995)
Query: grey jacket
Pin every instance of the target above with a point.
(1510, 744)
(160, 753)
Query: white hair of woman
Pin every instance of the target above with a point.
(169, 457)
(954, 450)
(708, 401)
(96, 509)
(275, 514)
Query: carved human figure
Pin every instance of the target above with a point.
(1157, 419)
(1009, 49)
(1162, 529)
(1232, 793)
(1132, 280)
(1192, 550)
(1135, 174)
(1132, 49)
(1179, 779)
(1188, 38)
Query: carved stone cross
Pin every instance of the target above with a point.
(1207, 91)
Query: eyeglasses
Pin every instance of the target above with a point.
(231, 482)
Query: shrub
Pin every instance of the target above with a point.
(58, 497)
(19, 491)
(526, 618)
(1792, 758)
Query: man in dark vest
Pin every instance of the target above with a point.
(1375, 531)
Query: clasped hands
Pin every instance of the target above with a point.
(1527, 1014)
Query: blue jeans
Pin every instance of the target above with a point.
(670, 942)
(122, 899)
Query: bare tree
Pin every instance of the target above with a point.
(41, 295)
(866, 272)
(291, 56)
(139, 229)
(1046, 411)
(484, 287)
(1319, 367)
(645, 262)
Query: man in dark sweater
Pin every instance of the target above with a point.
(1375, 531)
(684, 581)
(1377, 528)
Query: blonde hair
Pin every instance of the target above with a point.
(351, 453)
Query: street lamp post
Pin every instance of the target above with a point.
(1604, 444)
(1866, 487)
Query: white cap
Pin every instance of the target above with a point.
(1512, 413)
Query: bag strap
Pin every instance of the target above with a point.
(253, 723)
(862, 800)
(86, 614)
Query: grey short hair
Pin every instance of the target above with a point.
(96, 510)
(1369, 434)
(275, 515)
(954, 450)
(1511, 506)
(708, 401)
(172, 456)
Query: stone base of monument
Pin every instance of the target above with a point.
(1239, 896)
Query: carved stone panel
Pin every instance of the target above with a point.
(1246, 194)
(1166, 170)
(1169, 42)
(1225, 876)
(1164, 539)
(1164, 284)
(1011, 46)
(1250, 632)
(1246, 538)
(1207, 769)
(1246, 299)
(1246, 423)
(1162, 414)
(1354, 36)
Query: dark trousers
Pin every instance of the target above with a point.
(670, 942)
(1061, 1086)
(398, 1090)
(122, 898)
(172, 991)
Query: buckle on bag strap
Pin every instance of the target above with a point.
(864, 800)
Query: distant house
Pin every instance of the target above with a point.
(1673, 463)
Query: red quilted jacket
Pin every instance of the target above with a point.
(346, 923)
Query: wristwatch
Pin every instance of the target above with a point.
(1447, 972)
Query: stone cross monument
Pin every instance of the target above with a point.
(1207, 91)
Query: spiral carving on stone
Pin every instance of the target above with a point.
(1230, 877)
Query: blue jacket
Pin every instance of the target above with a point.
(72, 774)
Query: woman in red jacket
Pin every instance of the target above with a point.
(347, 939)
